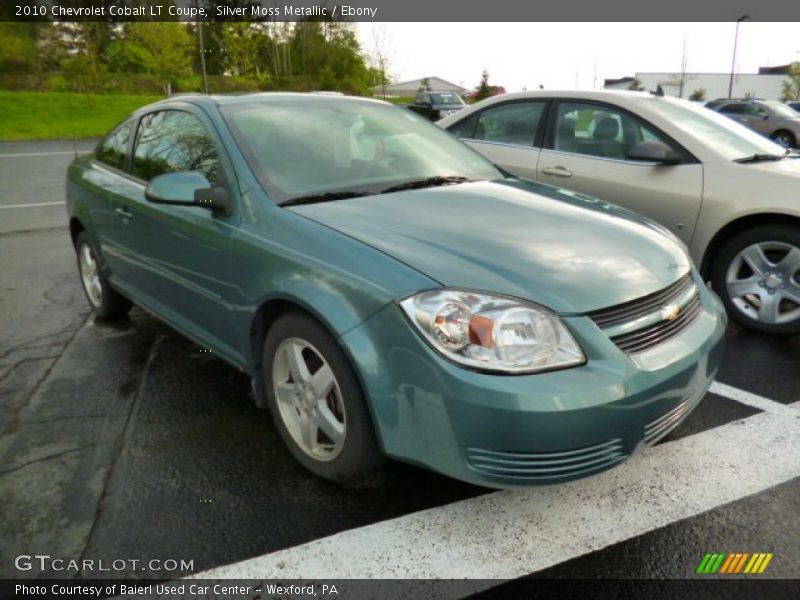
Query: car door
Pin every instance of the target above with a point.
(183, 252)
(756, 117)
(736, 112)
(508, 134)
(586, 150)
(103, 178)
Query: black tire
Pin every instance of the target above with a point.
(110, 304)
(785, 138)
(722, 262)
(360, 454)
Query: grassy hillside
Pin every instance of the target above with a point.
(54, 115)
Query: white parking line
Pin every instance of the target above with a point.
(32, 205)
(32, 154)
(510, 534)
(748, 398)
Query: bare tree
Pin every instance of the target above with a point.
(380, 53)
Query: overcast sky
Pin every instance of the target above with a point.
(563, 55)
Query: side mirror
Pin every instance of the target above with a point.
(654, 152)
(188, 189)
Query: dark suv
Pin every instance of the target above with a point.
(436, 105)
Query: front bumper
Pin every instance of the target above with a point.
(520, 430)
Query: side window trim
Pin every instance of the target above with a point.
(549, 141)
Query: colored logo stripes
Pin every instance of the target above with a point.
(735, 562)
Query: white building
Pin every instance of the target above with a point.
(756, 85)
(409, 88)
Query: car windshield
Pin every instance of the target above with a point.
(729, 138)
(323, 145)
(445, 98)
(782, 110)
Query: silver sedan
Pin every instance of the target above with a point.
(731, 195)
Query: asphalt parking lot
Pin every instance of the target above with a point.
(129, 441)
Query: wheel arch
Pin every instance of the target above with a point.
(267, 313)
(737, 226)
(75, 229)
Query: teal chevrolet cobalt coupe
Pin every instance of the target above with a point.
(392, 293)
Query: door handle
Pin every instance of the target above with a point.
(124, 213)
(557, 171)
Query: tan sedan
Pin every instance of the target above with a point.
(731, 195)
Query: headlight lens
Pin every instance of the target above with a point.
(491, 332)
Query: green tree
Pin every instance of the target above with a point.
(636, 85)
(166, 48)
(17, 48)
(790, 87)
(484, 89)
(699, 95)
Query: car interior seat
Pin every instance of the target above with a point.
(605, 134)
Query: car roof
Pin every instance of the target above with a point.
(266, 98)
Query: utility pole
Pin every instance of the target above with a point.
(733, 62)
(202, 51)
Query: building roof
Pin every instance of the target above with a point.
(436, 83)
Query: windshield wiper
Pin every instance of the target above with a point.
(754, 158)
(427, 182)
(323, 197)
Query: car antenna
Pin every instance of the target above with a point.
(659, 91)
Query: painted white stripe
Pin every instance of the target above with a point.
(748, 398)
(31, 154)
(32, 205)
(509, 534)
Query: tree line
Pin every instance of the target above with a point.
(151, 57)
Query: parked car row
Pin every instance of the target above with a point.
(778, 121)
(392, 292)
(729, 194)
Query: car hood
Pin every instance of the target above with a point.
(566, 251)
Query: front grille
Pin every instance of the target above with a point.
(546, 465)
(638, 341)
(628, 311)
(638, 325)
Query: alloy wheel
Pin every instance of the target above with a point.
(90, 275)
(763, 282)
(309, 399)
(784, 139)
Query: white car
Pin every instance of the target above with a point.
(731, 195)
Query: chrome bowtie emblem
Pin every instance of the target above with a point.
(670, 312)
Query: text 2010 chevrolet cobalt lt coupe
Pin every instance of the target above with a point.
(391, 292)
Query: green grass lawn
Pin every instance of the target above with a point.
(55, 115)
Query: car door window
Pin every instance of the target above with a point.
(114, 147)
(754, 110)
(464, 129)
(599, 130)
(172, 140)
(733, 109)
(513, 123)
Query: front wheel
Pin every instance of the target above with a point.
(106, 302)
(316, 401)
(784, 138)
(757, 275)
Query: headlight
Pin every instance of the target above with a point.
(492, 333)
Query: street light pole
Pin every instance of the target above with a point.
(733, 62)
(202, 52)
